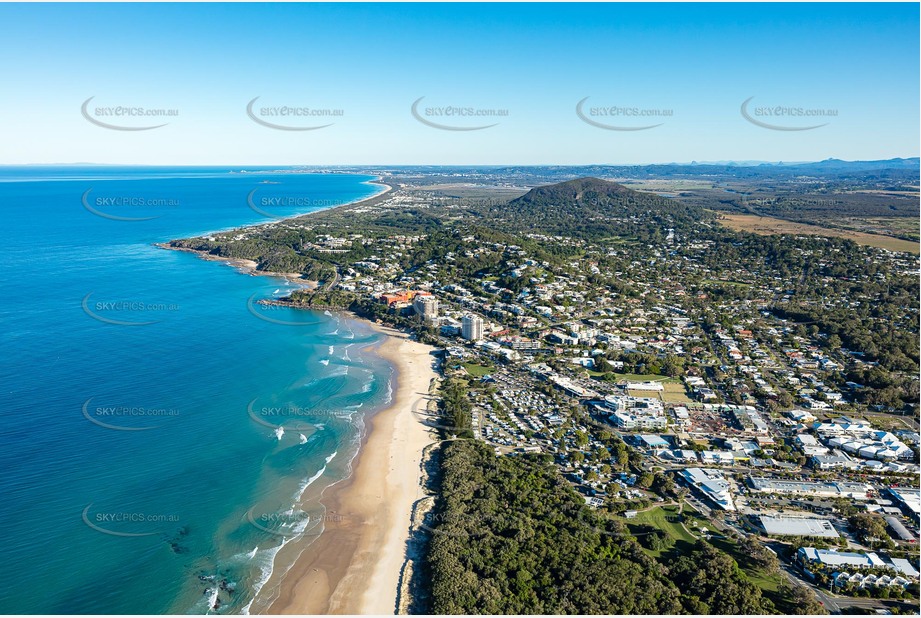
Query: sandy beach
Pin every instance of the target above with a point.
(354, 566)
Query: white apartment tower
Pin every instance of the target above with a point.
(426, 307)
(472, 327)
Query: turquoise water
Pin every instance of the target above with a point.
(142, 468)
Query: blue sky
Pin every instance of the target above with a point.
(696, 64)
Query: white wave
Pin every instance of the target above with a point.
(340, 370)
(212, 599)
(305, 484)
(266, 563)
(331, 350)
(303, 439)
(279, 433)
(266, 559)
(324, 361)
(252, 554)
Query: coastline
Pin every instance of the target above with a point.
(355, 565)
(249, 267)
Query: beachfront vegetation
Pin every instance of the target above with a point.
(456, 408)
(515, 538)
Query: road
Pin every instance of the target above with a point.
(836, 604)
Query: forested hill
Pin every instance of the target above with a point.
(591, 208)
(514, 538)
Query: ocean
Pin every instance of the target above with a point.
(159, 426)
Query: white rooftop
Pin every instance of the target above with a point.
(833, 557)
(798, 526)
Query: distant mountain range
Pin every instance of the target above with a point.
(827, 164)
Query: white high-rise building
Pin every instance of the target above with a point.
(426, 307)
(472, 327)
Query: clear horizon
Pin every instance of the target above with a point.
(740, 163)
(459, 84)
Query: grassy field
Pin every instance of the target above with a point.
(675, 392)
(477, 371)
(636, 377)
(767, 226)
(667, 519)
(886, 226)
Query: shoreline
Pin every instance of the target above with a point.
(249, 267)
(244, 266)
(355, 565)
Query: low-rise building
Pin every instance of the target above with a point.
(810, 556)
(857, 491)
(909, 499)
(797, 526)
(711, 484)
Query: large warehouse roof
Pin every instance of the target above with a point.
(798, 526)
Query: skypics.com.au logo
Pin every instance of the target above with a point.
(125, 117)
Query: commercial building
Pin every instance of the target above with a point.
(635, 412)
(797, 526)
(572, 388)
(652, 441)
(899, 529)
(711, 484)
(860, 439)
(810, 556)
(904, 567)
(832, 462)
(909, 499)
(472, 327)
(857, 491)
(650, 385)
(630, 421)
(717, 458)
(401, 297)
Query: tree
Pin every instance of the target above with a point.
(673, 366)
(707, 573)
(871, 529)
(645, 480)
(803, 600)
(760, 556)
